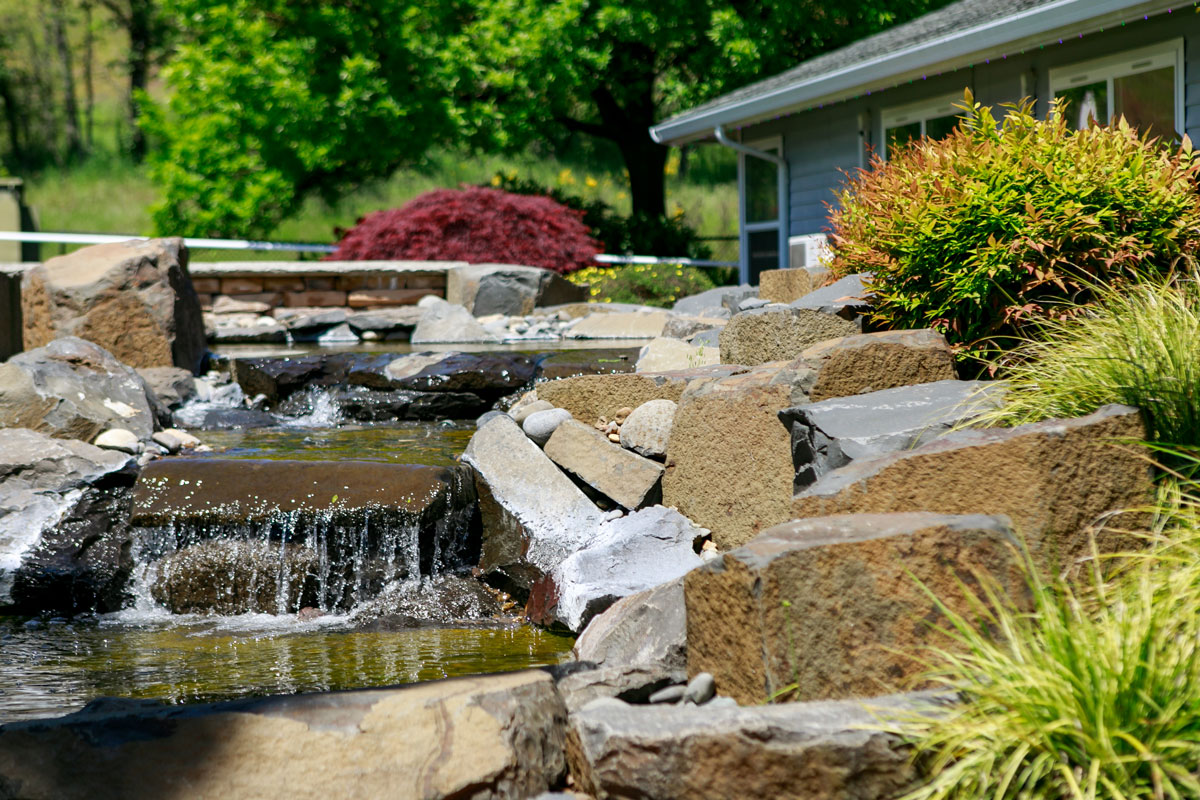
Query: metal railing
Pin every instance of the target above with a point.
(297, 247)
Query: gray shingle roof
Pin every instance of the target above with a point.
(955, 20)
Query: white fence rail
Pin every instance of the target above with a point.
(296, 247)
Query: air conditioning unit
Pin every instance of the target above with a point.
(809, 250)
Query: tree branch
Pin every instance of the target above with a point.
(590, 128)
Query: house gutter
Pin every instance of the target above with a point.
(781, 183)
(1024, 28)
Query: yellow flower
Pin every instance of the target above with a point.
(565, 177)
(620, 195)
(591, 182)
(496, 179)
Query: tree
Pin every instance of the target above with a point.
(527, 69)
(148, 30)
(277, 99)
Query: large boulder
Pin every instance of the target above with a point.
(533, 515)
(870, 362)
(787, 285)
(74, 389)
(709, 303)
(134, 299)
(837, 607)
(496, 736)
(1053, 479)
(275, 378)
(589, 397)
(632, 325)
(64, 538)
(231, 576)
(508, 289)
(729, 458)
(647, 627)
(626, 555)
(832, 433)
(846, 297)
(171, 385)
(778, 333)
(815, 751)
(628, 479)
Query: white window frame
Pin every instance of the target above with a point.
(746, 228)
(921, 112)
(1123, 64)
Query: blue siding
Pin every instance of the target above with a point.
(820, 145)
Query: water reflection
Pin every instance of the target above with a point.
(431, 443)
(53, 669)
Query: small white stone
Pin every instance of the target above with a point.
(118, 439)
(185, 438)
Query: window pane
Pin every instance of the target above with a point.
(940, 127)
(1148, 101)
(764, 252)
(901, 134)
(1085, 103)
(762, 189)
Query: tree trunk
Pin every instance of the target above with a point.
(628, 125)
(74, 142)
(89, 80)
(645, 161)
(141, 47)
(12, 116)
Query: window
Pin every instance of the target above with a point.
(762, 228)
(1145, 86)
(932, 118)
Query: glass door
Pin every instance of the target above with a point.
(762, 228)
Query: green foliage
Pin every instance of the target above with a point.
(999, 226)
(273, 100)
(1094, 695)
(637, 234)
(1140, 345)
(648, 284)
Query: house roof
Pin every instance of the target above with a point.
(945, 39)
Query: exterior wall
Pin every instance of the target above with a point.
(822, 144)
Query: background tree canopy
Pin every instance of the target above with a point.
(272, 100)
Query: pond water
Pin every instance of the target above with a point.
(48, 668)
(431, 443)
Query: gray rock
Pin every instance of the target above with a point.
(648, 429)
(134, 299)
(495, 737)
(508, 289)
(488, 417)
(664, 354)
(338, 334)
(267, 332)
(75, 389)
(708, 303)
(533, 515)
(630, 325)
(707, 339)
(118, 439)
(624, 556)
(647, 627)
(700, 689)
(685, 327)
(632, 683)
(732, 298)
(829, 434)
(629, 480)
(389, 324)
(172, 385)
(541, 425)
(443, 322)
(847, 298)
(752, 302)
(168, 440)
(56, 492)
(828, 750)
(521, 413)
(670, 694)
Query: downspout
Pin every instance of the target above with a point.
(784, 217)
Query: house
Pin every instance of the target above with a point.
(799, 132)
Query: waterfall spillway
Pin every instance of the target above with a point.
(230, 536)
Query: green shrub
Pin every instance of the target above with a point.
(981, 233)
(1139, 345)
(1096, 694)
(637, 234)
(648, 284)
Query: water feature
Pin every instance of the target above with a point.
(313, 554)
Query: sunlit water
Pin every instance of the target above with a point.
(57, 667)
(431, 443)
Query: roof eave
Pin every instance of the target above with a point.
(941, 54)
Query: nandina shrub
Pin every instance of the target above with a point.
(477, 225)
(999, 226)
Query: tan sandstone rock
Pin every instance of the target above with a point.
(498, 736)
(630, 480)
(870, 362)
(830, 607)
(134, 299)
(1052, 479)
(589, 397)
(729, 458)
(786, 285)
(779, 333)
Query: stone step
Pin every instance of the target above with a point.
(630, 480)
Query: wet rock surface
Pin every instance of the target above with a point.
(499, 736)
(134, 299)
